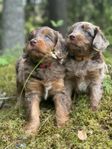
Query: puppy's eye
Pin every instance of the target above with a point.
(89, 33)
(82, 26)
(48, 37)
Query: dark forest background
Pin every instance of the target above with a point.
(19, 17)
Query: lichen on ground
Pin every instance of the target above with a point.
(97, 125)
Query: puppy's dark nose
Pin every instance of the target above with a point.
(33, 42)
(72, 37)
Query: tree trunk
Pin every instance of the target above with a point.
(58, 11)
(13, 24)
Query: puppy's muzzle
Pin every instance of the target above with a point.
(33, 42)
(75, 37)
(72, 37)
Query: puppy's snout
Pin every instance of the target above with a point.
(72, 37)
(33, 42)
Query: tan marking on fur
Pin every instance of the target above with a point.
(35, 86)
(57, 85)
(62, 115)
(33, 116)
(80, 58)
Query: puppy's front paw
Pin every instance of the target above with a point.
(94, 108)
(62, 121)
(95, 103)
(31, 128)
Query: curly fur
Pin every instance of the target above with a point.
(47, 47)
(85, 66)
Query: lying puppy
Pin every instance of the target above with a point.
(40, 74)
(85, 66)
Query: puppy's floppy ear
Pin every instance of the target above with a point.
(59, 45)
(59, 51)
(100, 42)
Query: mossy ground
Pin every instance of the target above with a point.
(97, 125)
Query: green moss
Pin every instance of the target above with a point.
(7, 79)
(98, 125)
(108, 57)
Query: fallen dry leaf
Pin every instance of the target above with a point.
(82, 135)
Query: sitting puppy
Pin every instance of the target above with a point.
(40, 74)
(85, 66)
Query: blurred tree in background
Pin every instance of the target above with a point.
(34, 12)
(1, 7)
(54, 13)
(98, 12)
(13, 24)
(58, 14)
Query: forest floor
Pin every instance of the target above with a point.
(94, 127)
